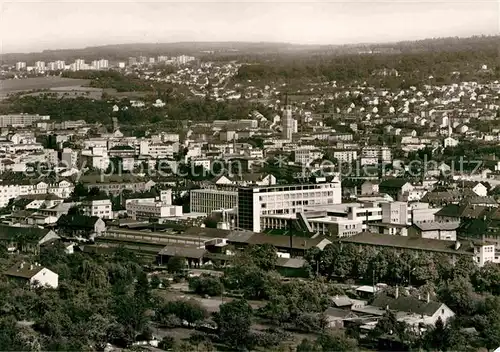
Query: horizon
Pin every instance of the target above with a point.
(31, 27)
(248, 42)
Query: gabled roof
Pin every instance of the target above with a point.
(395, 183)
(416, 243)
(12, 232)
(77, 221)
(407, 304)
(285, 241)
(436, 225)
(450, 210)
(23, 270)
(292, 263)
(46, 196)
(183, 252)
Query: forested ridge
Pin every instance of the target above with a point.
(412, 66)
(238, 50)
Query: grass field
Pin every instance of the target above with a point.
(62, 87)
(19, 85)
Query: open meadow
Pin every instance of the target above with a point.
(19, 85)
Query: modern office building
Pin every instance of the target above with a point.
(253, 202)
(209, 200)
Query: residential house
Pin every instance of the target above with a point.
(81, 225)
(395, 187)
(34, 275)
(25, 239)
(435, 230)
(415, 312)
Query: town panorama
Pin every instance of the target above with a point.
(251, 196)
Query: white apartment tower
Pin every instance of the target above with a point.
(40, 65)
(287, 124)
(20, 65)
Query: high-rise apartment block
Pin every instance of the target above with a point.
(20, 66)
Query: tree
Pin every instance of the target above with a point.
(176, 265)
(308, 346)
(330, 342)
(155, 282)
(130, 314)
(206, 285)
(310, 322)
(234, 321)
(487, 279)
(458, 294)
(167, 343)
(389, 325)
(93, 274)
(190, 311)
(464, 267)
(142, 290)
(264, 256)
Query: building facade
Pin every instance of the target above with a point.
(253, 202)
(209, 200)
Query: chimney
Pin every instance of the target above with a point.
(31, 267)
(21, 265)
(397, 292)
(428, 297)
(457, 245)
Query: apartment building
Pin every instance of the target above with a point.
(381, 154)
(21, 120)
(209, 200)
(101, 208)
(345, 156)
(158, 150)
(69, 157)
(395, 213)
(9, 191)
(118, 187)
(21, 65)
(306, 156)
(254, 202)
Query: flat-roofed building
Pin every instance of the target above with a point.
(209, 200)
(254, 202)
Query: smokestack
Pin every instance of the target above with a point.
(397, 292)
(428, 297)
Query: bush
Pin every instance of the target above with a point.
(206, 285)
(167, 343)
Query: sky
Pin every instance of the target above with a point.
(28, 26)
